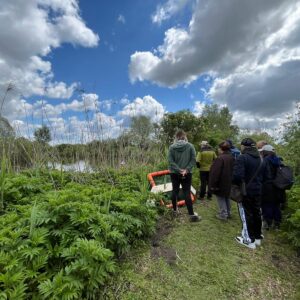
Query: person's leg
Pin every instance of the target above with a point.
(267, 212)
(202, 184)
(209, 195)
(245, 234)
(248, 209)
(256, 212)
(228, 206)
(175, 189)
(277, 215)
(222, 207)
(186, 183)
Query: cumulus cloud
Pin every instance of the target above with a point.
(32, 30)
(198, 108)
(249, 49)
(167, 10)
(146, 106)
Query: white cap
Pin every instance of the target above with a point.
(269, 148)
(204, 143)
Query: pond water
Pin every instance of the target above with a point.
(79, 166)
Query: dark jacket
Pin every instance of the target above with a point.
(245, 167)
(269, 192)
(182, 155)
(221, 175)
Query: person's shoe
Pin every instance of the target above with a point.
(218, 216)
(195, 217)
(240, 240)
(257, 242)
(175, 213)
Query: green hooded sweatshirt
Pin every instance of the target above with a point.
(182, 155)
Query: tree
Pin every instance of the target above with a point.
(218, 124)
(42, 135)
(291, 140)
(184, 120)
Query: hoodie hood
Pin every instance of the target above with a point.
(180, 145)
(251, 151)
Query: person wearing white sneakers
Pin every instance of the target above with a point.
(249, 172)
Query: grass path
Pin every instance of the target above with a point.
(202, 261)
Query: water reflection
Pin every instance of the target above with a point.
(79, 166)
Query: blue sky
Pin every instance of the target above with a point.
(104, 69)
(76, 65)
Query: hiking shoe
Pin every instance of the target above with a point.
(195, 217)
(218, 216)
(240, 240)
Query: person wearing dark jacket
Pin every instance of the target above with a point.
(249, 168)
(220, 180)
(182, 159)
(272, 197)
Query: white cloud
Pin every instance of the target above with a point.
(41, 26)
(121, 19)
(166, 11)
(146, 106)
(198, 108)
(250, 51)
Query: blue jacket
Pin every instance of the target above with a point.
(244, 168)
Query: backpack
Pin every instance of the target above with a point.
(284, 178)
(235, 153)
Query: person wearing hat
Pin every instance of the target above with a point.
(205, 158)
(271, 195)
(249, 170)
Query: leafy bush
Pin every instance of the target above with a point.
(62, 241)
(291, 225)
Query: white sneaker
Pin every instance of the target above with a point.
(195, 217)
(240, 240)
(257, 242)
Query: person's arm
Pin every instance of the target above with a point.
(215, 174)
(192, 161)
(172, 162)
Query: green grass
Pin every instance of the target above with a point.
(209, 265)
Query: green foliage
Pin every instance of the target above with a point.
(184, 120)
(62, 241)
(291, 224)
(42, 135)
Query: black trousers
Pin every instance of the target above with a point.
(251, 207)
(186, 183)
(204, 178)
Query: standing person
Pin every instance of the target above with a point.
(235, 152)
(220, 180)
(204, 161)
(182, 159)
(272, 197)
(260, 144)
(249, 168)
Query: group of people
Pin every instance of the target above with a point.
(252, 168)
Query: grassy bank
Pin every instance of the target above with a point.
(202, 261)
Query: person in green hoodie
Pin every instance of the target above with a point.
(204, 160)
(182, 159)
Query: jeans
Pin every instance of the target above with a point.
(204, 178)
(224, 207)
(186, 183)
(271, 211)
